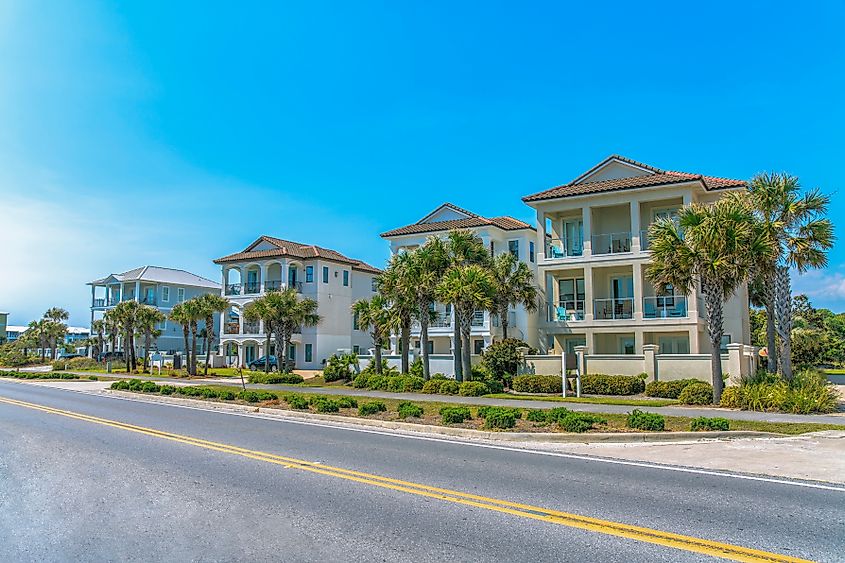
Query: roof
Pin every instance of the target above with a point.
(160, 275)
(16, 328)
(288, 248)
(469, 221)
(653, 177)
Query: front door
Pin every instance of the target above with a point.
(150, 297)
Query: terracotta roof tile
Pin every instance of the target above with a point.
(504, 223)
(288, 248)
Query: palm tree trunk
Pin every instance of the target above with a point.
(187, 349)
(715, 328)
(147, 336)
(209, 336)
(267, 352)
(377, 344)
(127, 351)
(424, 344)
(192, 357)
(503, 318)
(281, 355)
(783, 311)
(456, 335)
(466, 349)
(404, 341)
(771, 339)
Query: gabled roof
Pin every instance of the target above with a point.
(287, 248)
(652, 176)
(470, 221)
(160, 275)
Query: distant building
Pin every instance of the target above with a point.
(158, 287)
(4, 318)
(13, 332)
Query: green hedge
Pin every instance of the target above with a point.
(407, 409)
(698, 393)
(37, 375)
(640, 420)
(501, 418)
(454, 415)
(275, 378)
(668, 389)
(75, 363)
(704, 423)
(296, 402)
(537, 384)
(473, 389)
(371, 407)
(600, 384)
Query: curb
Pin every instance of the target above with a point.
(534, 437)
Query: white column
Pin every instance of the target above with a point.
(263, 279)
(638, 291)
(589, 306)
(541, 236)
(138, 290)
(635, 226)
(241, 362)
(693, 341)
(587, 220)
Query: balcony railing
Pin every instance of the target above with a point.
(665, 307)
(231, 328)
(149, 301)
(644, 242)
(441, 320)
(620, 308)
(251, 327)
(99, 302)
(572, 310)
(233, 289)
(563, 249)
(273, 285)
(477, 318)
(252, 287)
(611, 243)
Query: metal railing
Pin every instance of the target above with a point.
(273, 285)
(233, 289)
(99, 302)
(665, 307)
(561, 249)
(620, 308)
(611, 243)
(149, 301)
(231, 328)
(252, 287)
(644, 241)
(441, 320)
(571, 310)
(251, 327)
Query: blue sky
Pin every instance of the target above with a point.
(173, 133)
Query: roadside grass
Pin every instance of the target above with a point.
(835, 371)
(431, 415)
(589, 400)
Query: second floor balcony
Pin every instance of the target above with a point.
(614, 308)
(255, 288)
(611, 243)
(665, 307)
(566, 311)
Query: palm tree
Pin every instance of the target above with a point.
(211, 305)
(799, 237)
(469, 288)
(180, 314)
(39, 329)
(260, 310)
(287, 313)
(514, 286)
(98, 327)
(57, 315)
(147, 318)
(195, 313)
(714, 246)
(395, 285)
(112, 328)
(463, 248)
(422, 271)
(126, 315)
(374, 316)
(56, 332)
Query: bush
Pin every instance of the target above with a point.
(668, 389)
(347, 402)
(494, 387)
(454, 415)
(640, 420)
(377, 382)
(296, 402)
(432, 386)
(439, 376)
(503, 358)
(483, 411)
(808, 392)
(556, 414)
(324, 404)
(93, 378)
(416, 368)
(226, 395)
(254, 396)
(41, 375)
(404, 383)
(600, 384)
(449, 387)
(339, 367)
(386, 370)
(579, 421)
(167, 389)
(75, 363)
(122, 385)
(537, 384)
(500, 419)
(698, 393)
(361, 381)
(371, 407)
(275, 378)
(408, 409)
(731, 398)
(472, 389)
(704, 423)
(536, 415)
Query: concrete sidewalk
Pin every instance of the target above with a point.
(687, 411)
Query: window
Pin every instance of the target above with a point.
(478, 346)
(356, 349)
(531, 250)
(355, 325)
(292, 352)
(723, 346)
(513, 248)
(431, 346)
(346, 278)
(375, 284)
(308, 353)
(165, 294)
(325, 274)
(180, 294)
(309, 274)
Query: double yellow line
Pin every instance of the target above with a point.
(667, 539)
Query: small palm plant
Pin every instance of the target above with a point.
(211, 305)
(514, 286)
(126, 315)
(374, 316)
(179, 314)
(286, 313)
(715, 247)
(147, 318)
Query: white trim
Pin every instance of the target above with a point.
(165, 294)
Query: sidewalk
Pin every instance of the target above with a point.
(835, 418)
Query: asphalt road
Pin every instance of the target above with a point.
(83, 489)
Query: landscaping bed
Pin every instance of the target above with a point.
(455, 415)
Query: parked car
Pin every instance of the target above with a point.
(111, 357)
(258, 365)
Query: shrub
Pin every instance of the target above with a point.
(226, 395)
(449, 387)
(472, 389)
(296, 402)
(361, 381)
(416, 368)
(386, 370)
(454, 415)
(121, 385)
(377, 382)
(600, 384)
(347, 402)
(640, 420)
(324, 404)
(668, 389)
(704, 423)
(408, 409)
(75, 363)
(731, 398)
(698, 393)
(494, 386)
(483, 411)
(189, 391)
(503, 358)
(500, 419)
(255, 396)
(556, 414)
(149, 387)
(93, 378)
(537, 384)
(371, 407)
(808, 392)
(439, 376)
(275, 378)
(432, 386)
(579, 421)
(339, 367)
(167, 389)
(404, 383)
(536, 415)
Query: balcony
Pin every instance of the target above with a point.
(106, 302)
(611, 243)
(251, 287)
(149, 301)
(231, 328)
(562, 249)
(644, 241)
(566, 311)
(273, 285)
(665, 307)
(251, 327)
(233, 289)
(613, 309)
(477, 318)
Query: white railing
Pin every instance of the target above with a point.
(563, 249)
(665, 307)
(572, 310)
(611, 243)
(620, 308)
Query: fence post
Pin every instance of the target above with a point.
(650, 360)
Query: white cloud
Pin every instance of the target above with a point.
(824, 287)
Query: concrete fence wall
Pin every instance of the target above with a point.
(438, 363)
